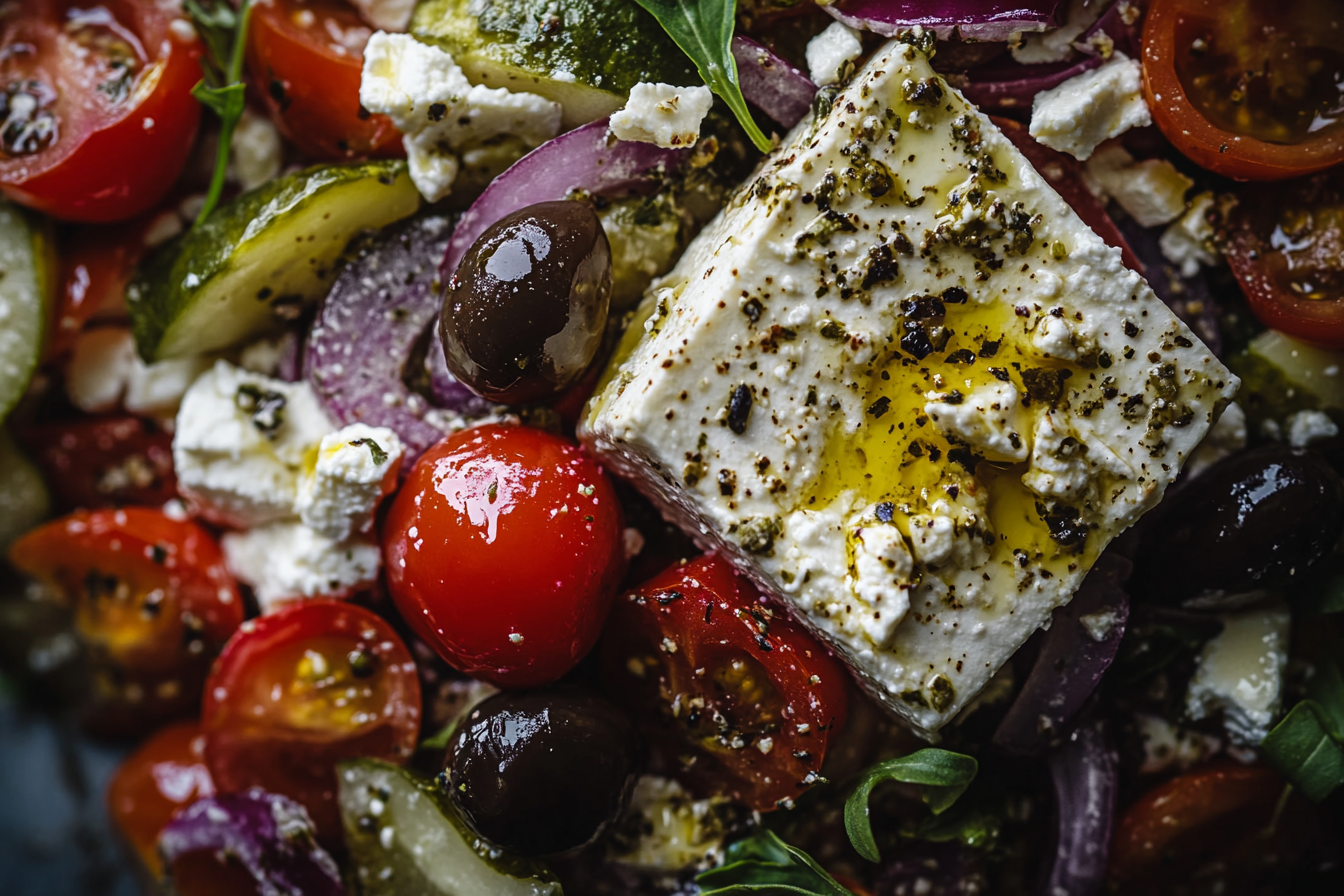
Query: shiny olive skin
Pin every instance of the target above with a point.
(1244, 527)
(524, 314)
(542, 772)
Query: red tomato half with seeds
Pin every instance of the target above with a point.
(299, 690)
(96, 107)
(103, 461)
(153, 605)
(503, 550)
(712, 666)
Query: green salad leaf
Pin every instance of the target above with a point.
(942, 775)
(763, 863)
(1305, 750)
(223, 30)
(704, 31)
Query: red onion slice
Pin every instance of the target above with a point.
(271, 837)
(977, 19)
(771, 83)
(1080, 645)
(1084, 771)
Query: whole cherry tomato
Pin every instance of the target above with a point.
(165, 773)
(1247, 88)
(714, 667)
(300, 689)
(93, 462)
(153, 605)
(97, 107)
(307, 57)
(503, 550)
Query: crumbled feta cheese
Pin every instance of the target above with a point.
(355, 468)
(1151, 191)
(1188, 243)
(1307, 427)
(1240, 672)
(1225, 438)
(665, 830)
(662, 114)
(105, 372)
(387, 15)
(830, 51)
(1166, 747)
(1089, 109)
(289, 561)
(989, 419)
(264, 355)
(1056, 44)
(439, 112)
(882, 575)
(1059, 464)
(256, 151)
(240, 444)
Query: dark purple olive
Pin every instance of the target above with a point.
(543, 772)
(524, 314)
(1246, 526)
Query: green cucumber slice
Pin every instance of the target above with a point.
(23, 494)
(256, 261)
(26, 265)
(583, 54)
(406, 839)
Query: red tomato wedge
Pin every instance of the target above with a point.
(93, 462)
(98, 116)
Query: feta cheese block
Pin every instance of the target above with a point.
(903, 387)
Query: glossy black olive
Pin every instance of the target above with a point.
(1246, 526)
(524, 314)
(542, 772)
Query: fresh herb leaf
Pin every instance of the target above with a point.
(943, 776)
(223, 30)
(704, 31)
(440, 739)
(1303, 749)
(763, 863)
(1326, 688)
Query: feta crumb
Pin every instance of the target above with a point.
(1166, 747)
(830, 51)
(1240, 672)
(1308, 427)
(663, 114)
(1224, 439)
(439, 112)
(105, 372)
(257, 151)
(989, 419)
(1056, 44)
(1188, 243)
(669, 831)
(1151, 191)
(387, 15)
(1099, 625)
(356, 466)
(289, 561)
(1091, 108)
(881, 576)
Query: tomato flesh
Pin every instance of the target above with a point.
(301, 689)
(714, 668)
(103, 461)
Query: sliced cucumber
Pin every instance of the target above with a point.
(26, 265)
(256, 261)
(645, 234)
(406, 839)
(1317, 370)
(583, 54)
(23, 494)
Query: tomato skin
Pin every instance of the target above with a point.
(1199, 139)
(685, 648)
(277, 718)
(503, 550)
(111, 162)
(165, 774)
(311, 83)
(93, 462)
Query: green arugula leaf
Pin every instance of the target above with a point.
(1304, 750)
(763, 863)
(223, 31)
(704, 31)
(943, 776)
(1326, 688)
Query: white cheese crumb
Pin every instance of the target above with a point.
(1224, 439)
(663, 114)
(1056, 44)
(881, 577)
(989, 419)
(289, 561)
(356, 466)
(1151, 191)
(1241, 673)
(257, 151)
(387, 15)
(1188, 243)
(1099, 625)
(105, 372)
(673, 831)
(1089, 109)
(1308, 427)
(830, 51)
(1166, 747)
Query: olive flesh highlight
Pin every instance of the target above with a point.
(524, 314)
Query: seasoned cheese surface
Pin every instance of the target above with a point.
(906, 389)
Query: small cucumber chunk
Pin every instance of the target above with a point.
(256, 261)
(583, 54)
(406, 839)
(26, 265)
(23, 494)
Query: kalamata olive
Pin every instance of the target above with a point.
(524, 313)
(542, 772)
(1245, 526)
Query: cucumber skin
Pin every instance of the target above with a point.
(158, 295)
(44, 272)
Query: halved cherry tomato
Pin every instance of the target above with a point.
(93, 462)
(503, 550)
(1286, 248)
(713, 667)
(153, 604)
(307, 57)
(98, 116)
(165, 774)
(300, 689)
(1249, 89)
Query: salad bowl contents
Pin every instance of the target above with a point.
(681, 446)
